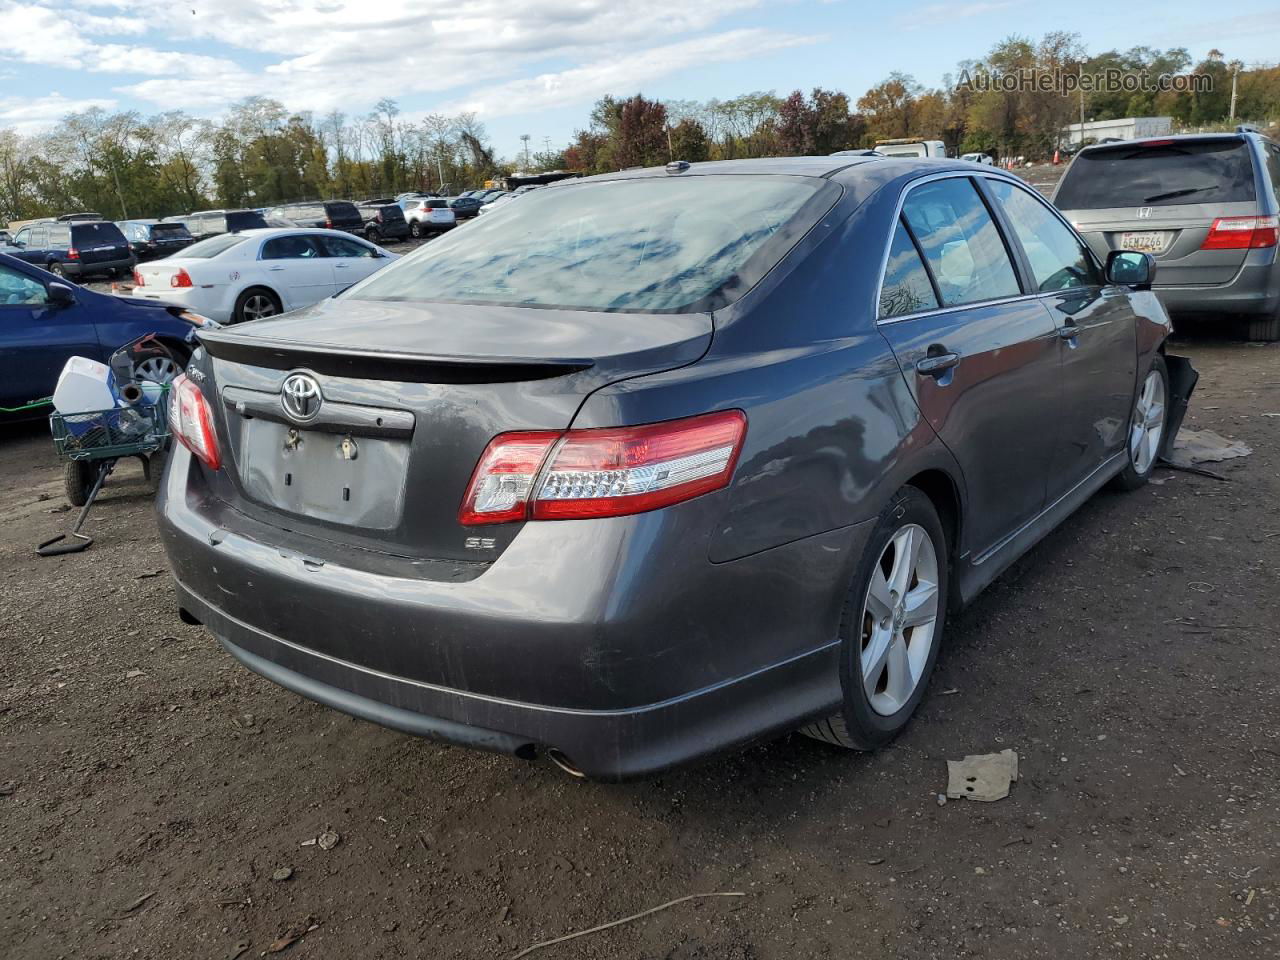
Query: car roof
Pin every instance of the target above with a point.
(268, 232)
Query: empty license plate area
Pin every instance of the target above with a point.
(335, 477)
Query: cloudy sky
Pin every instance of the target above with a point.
(534, 66)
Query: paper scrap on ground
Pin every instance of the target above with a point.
(983, 776)
(1205, 446)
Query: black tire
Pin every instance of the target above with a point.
(239, 314)
(1135, 474)
(57, 270)
(77, 479)
(415, 229)
(859, 726)
(1263, 329)
(372, 235)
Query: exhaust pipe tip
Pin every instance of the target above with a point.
(131, 394)
(564, 763)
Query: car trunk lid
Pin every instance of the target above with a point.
(409, 395)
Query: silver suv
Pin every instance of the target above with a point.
(1204, 205)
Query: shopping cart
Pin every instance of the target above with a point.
(91, 444)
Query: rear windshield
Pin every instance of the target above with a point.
(86, 234)
(1214, 171)
(247, 220)
(392, 212)
(341, 210)
(206, 249)
(652, 244)
(169, 230)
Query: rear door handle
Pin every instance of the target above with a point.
(341, 266)
(937, 364)
(275, 269)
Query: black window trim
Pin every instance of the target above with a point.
(1014, 258)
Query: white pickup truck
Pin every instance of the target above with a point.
(912, 148)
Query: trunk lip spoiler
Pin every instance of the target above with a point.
(361, 362)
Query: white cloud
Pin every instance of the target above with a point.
(586, 83)
(30, 115)
(942, 13)
(346, 54)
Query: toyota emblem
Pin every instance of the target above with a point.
(300, 397)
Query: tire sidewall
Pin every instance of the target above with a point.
(1131, 477)
(238, 313)
(871, 729)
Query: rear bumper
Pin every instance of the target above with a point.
(76, 268)
(1254, 291)
(617, 643)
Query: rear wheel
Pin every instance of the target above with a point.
(415, 230)
(1146, 428)
(1266, 329)
(57, 270)
(372, 235)
(256, 303)
(892, 626)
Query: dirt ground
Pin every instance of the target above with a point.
(152, 786)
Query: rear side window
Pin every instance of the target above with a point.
(167, 231)
(1273, 166)
(220, 243)
(342, 247)
(1059, 260)
(291, 247)
(1174, 173)
(94, 234)
(964, 250)
(906, 287)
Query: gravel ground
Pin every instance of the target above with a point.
(155, 794)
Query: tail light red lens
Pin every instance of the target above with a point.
(137, 279)
(1242, 233)
(609, 472)
(181, 279)
(191, 421)
(328, 224)
(73, 253)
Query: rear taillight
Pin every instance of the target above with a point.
(608, 472)
(191, 421)
(137, 279)
(378, 216)
(73, 253)
(181, 279)
(1242, 233)
(328, 224)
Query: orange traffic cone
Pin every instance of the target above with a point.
(1056, 159)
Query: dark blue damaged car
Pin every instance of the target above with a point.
(658, 463)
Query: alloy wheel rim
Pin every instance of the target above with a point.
(157, 370)
(1147, 429)
(257, 307)
(899, 619)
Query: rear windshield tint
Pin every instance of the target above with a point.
(87, 234)
(206, 249)
(169, 230)
(651, 244)
(247, 220)
(1180, 172)
(392, 213)
(341, 211)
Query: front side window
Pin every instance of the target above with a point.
(19, 290)
(1059, 259)
(291, 247)
(23, 238)
(906, 287)
(960, 241)
(646, 244)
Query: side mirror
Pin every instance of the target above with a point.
(1130, 268)
(60, 295)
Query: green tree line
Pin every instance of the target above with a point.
(259, 154)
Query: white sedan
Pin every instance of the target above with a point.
(259, 273)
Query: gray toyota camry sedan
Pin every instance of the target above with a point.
(660, 462)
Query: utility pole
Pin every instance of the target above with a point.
(525, 138)
(1082, 101)
(1235, 77)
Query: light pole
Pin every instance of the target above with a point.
(525, 138)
